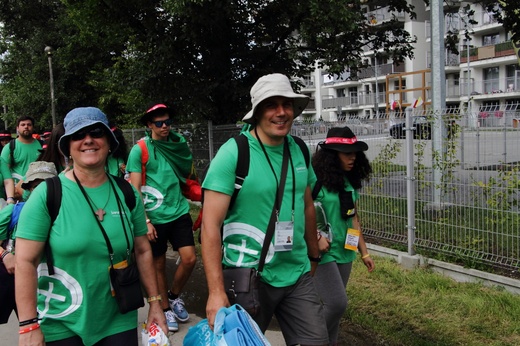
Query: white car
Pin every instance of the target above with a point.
(358, 127)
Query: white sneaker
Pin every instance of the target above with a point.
(170, 321)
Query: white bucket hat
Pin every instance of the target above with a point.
(275, 84)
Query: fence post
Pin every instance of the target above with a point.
(410, 181)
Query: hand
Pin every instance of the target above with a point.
(369, 263)
(323, 244)
(152, 233)
(33, 338)
(215, 302)
(9, 263)
(156, 314)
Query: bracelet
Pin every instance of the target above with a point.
(4, 253)
(27, 322)
(365, 256)
(319, 236)
(314, 259)
(9, 198)
(154, 298)
(148, 221)
(29, 329)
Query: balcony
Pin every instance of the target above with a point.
(487, 52)
(383, 14)
(496, 87)
(354, 99)
(380, 70)
(450, 59)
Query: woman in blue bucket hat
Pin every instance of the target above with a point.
(76, 304)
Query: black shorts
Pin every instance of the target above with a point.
(7, 301)
(178, 232)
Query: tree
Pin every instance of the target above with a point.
(201, 56)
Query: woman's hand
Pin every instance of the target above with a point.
(369, 263)
(9, 262)
(152, 233)
(323, 244)
(32, 338)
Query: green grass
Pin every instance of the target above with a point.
(421, 307)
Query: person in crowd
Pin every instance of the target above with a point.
(52, 153)
(45, 139)
(5, 137)
(286, 289)
(26, 150)
(116, 163)
(167, 210)
(38, 171)
(75, 306)
(341, 166)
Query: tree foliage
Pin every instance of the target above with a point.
(201, 56)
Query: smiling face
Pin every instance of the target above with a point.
(274, 118)
(89, 147)
(347, 160)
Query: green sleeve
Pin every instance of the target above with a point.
(5, 219)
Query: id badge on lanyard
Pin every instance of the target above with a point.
(283, 235)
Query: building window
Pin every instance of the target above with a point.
(491, 80)
(340, 92)
(491, 39)
(512, 78)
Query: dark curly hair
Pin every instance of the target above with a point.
(328, 169)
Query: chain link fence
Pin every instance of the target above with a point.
(458, 174)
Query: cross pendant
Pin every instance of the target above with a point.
(100, 212)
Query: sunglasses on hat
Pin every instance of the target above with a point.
(160, 123)
(96, 132)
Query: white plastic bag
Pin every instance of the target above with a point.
(154, 336)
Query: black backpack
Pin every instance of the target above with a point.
(54, 205)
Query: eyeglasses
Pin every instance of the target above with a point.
(96, 132)
(160, 123)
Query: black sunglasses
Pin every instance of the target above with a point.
(160, 123)
(96, 132)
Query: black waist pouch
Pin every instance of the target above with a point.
(127, 288)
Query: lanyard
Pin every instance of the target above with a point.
(107, 240)
(286, 151)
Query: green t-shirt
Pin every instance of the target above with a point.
(24, 154)
(5, 220)
(115, 166)
(162, 196)
(246, 222)
(5, 174)
(339, 226)
(77, 300)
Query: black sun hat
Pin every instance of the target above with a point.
(154, 109)
(344, 140)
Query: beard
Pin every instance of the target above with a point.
(26, 135)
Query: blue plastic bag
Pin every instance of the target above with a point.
(233, 327)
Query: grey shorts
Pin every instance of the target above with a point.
(298, 310)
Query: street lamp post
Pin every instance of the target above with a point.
(49, 50)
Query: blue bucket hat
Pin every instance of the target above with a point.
(82, 117)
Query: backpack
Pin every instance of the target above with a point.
(12, 146)
(242, 169)
(54, 204)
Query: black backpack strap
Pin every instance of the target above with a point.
(316, 189)
(304, 149)
(242, 166)
(127, 190)
(53, 206)
(12, 146)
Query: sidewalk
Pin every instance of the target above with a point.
(9, 331)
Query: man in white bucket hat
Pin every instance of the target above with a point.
(286, 289)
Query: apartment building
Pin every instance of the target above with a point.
(485, 72)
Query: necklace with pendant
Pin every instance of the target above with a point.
(100, 212)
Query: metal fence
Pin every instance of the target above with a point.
(452, 192)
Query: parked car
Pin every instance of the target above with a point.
(422, 129)
(358, 127)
